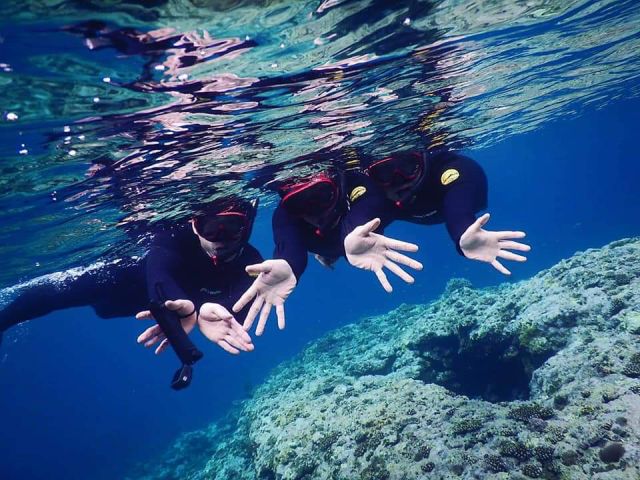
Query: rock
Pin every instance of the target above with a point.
(611, 452)
(537, 379)
(632, 322)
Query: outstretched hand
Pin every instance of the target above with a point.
(273, 286)
(372, 251)
(219, 326)
(153, 335)
(485, 246)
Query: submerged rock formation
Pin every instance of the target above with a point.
(539, 379)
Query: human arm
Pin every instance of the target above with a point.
(274, 283)
(166, 265)
(372, 251)
(366, 249)
(218, 325)
(465, 194)
(154, 334)
(486, 246)
(289, 241)
(275, 279)
(166, 272)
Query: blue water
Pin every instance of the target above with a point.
(80, 396)
(80, 399)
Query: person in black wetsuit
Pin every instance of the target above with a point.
(200, 265)
(332, 215)
(442, 186)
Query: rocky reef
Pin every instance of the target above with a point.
(539, 379)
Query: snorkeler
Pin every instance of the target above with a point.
(329, 214)
(441, 186)
(199, 264)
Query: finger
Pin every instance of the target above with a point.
(186, 306)
(403, 259)
(236, 343)
(482, 221)
(382, 278)
(511, 256)
(400, 245)
(514, 245)
(280, 315)
(237, 329)
(370, 226)
(149, 333)
(399, 271)
(257, 268)
(245, 298)
(253, 312)
(222, 313)
(509, 234)
(174, 304)
(162, 347)
(479, 223)
(241, 334)
(144, 315)
(264, 315)
(498, 266)
(152, 341)
(225, 346)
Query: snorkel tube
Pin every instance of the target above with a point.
(171, 326)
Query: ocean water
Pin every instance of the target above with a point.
(100, 138)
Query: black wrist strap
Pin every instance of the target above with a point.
(187, 315)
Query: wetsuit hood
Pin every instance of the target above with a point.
(400, 175)
(224, 227)
(318, 200)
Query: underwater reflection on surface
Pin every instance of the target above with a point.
(139, 112)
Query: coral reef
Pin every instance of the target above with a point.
(537, 379)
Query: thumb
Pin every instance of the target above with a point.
(481, 222)
(257, 268)
(175, 305)
(221, 312)
(370, 226)
(144, 315)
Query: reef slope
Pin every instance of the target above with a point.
(539, 379)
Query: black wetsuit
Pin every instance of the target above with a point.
(123, 288)
(294, 237)
(454, 189)
(186, 271)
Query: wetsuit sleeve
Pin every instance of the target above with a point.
(465, 193)
(366, 202)
(289, 241)
(78, 287)
(165, 265)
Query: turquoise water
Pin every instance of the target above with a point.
(100, 140)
